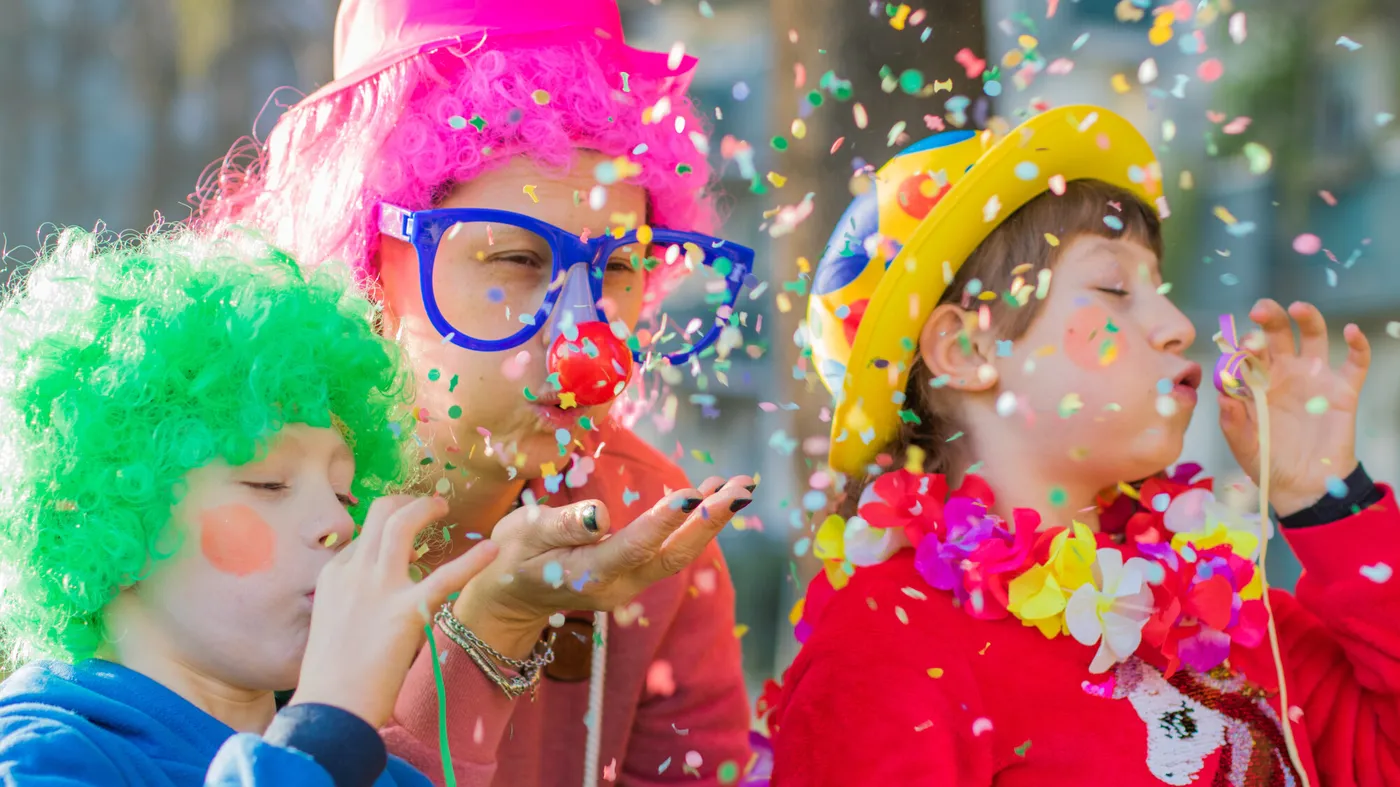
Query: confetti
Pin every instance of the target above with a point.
(1347, 43)
(1317, 405)
(935, 672)
(981, 725)
(1259, 157)
(992, 208)
(900, 16)
(1210, 70)
(661, 678)
(1307, 243)
(530, 191)
(541, 97)
(971, 63)
(740, 91)
(1070, 404)
(1392, 329)
(553, 570)
(1147, 72)
(1104, 689)
(1379, 573)
(1237, 27)
(1022, 749)
(1336, 487)
(457, 122)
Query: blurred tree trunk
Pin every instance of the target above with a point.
(855, 40)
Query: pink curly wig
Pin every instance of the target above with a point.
(315, 186)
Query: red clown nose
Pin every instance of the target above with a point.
(594, 366)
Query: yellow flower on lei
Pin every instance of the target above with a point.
(1241, 542)
(830, 547)
(1039, 595)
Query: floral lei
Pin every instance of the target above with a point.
(1172, 571)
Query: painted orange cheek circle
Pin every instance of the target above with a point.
(236, 540)
(1091, 341)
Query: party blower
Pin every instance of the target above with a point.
(1239, 375)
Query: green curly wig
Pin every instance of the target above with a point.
(124, 366)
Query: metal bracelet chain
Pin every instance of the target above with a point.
(488, 658)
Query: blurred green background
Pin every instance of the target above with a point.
(111, 109)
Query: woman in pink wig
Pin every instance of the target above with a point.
(517, 186)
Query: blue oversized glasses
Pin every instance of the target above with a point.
(491, 279)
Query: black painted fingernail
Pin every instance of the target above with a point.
(751, 487)
(691, 503)
(740, 504)
(590, 519)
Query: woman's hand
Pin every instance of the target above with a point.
(368, 620)
(555, 559)
(1310, 443)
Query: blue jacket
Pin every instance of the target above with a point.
(100, 724)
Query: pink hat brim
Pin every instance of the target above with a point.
(617, 58)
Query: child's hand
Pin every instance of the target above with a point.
(1310, 444)
(368, 619)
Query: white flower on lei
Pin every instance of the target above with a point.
(868, 546)
(1112, 609)
(1197, 513)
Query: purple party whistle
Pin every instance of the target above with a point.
(1229, 369)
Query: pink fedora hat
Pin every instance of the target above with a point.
(371, 35)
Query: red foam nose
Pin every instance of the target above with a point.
(595, 366)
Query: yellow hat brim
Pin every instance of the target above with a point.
(1075, 142)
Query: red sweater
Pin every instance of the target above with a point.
(686, 621)
(944, 699)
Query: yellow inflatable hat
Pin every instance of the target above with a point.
(901, 242)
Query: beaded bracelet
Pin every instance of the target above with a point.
(488, 659)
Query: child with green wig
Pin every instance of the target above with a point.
(191, 435)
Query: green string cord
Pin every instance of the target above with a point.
(449, 777)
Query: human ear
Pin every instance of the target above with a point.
(954, 349)
(394, 260)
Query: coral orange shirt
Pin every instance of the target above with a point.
(652, 734)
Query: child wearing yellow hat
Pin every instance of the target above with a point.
(1017, 591)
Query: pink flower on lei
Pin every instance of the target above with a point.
(974, 556)
(1203, 606)
(914, 501)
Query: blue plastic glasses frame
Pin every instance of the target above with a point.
(425, 228)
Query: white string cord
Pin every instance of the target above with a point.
(593, 751)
